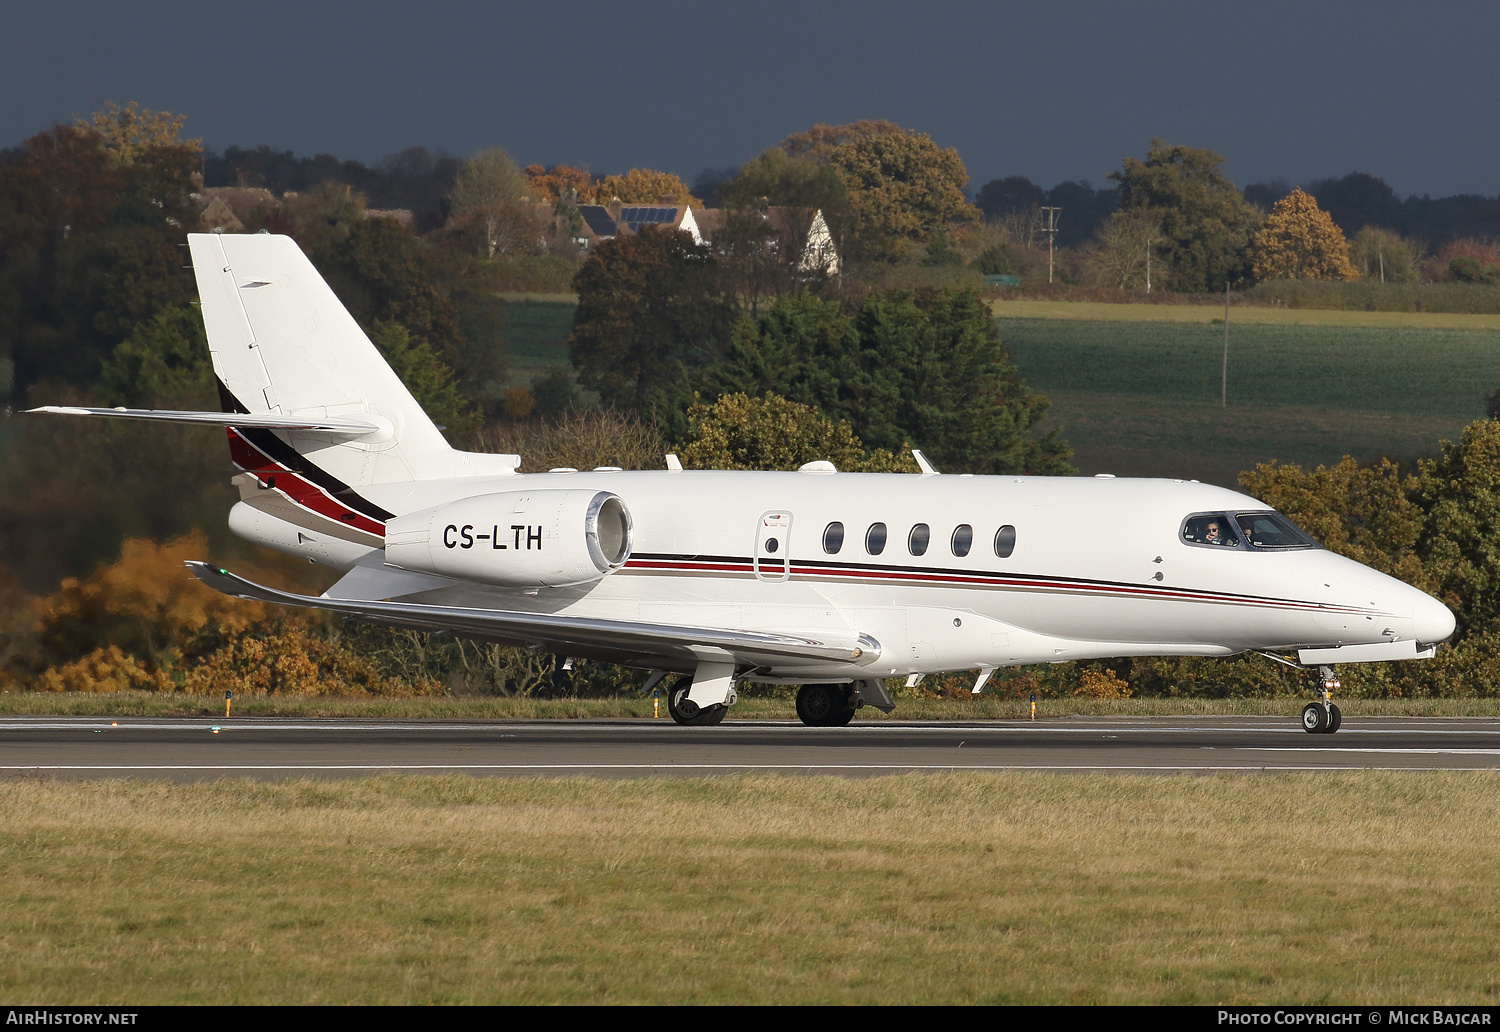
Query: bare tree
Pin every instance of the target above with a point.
(1123, 248)
(492, 193)
(1021, 226)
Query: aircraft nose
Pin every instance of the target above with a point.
(1432, 621)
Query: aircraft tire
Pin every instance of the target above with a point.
(823, 705)
(1335, 718)
(684, 711)
(1314, 720)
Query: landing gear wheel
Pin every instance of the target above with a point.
(1314, 718)
(1335, 718)
(686, 711)
(823, 705)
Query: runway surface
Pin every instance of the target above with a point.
(273, 748)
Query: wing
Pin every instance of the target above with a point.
(664, 646)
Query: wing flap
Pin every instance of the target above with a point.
(570, 634)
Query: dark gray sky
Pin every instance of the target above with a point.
(1058, 90)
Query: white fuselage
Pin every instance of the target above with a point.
(1098, 568)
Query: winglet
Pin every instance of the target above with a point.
(927, 468)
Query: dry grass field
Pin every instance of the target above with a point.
(1357, 888)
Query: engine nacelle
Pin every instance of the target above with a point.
(519, 538)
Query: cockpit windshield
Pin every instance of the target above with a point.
(1250, 530)
(1272, 530)
(1213, 529)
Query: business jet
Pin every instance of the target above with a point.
(829, 580)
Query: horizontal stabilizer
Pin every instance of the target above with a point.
(666, 646)
(327, 424)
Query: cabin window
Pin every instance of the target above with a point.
(1213, 529)
(918, 539)
(875, 539)
(1005, 541)
(1272, 530)
(963, 539)
(833, 538)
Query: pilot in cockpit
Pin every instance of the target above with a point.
(1218, 533)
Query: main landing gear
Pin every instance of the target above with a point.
(827, 705)
(1323, 717)
(686, 711)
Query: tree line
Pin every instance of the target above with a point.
(730, 351)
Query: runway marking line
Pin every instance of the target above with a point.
(698, 766)
(1370, 749)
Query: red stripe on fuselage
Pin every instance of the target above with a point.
(996, 580)
(306, 494)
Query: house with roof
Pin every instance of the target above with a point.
(607, 221)
(797, 231)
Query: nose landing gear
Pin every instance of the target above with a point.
(1323, 717)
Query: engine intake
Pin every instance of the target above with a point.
(518, 538)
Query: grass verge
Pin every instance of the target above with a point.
(985, 707)
(1371, 887)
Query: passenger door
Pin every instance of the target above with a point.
(773, 554)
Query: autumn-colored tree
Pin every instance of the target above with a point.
(581, 438)
(1466, 260)
(902, 189)
(819, 142)
(770, 432)
(1300, 241)
(129, 132)
(560, 182)
(1362, 512)
(1206, 224)
(644, 186)
(146, 605)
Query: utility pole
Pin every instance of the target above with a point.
(1224, 374)
(1049, 226)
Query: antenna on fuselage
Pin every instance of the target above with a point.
(927, 468)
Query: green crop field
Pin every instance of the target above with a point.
(1142, 398)
(534, 333)
(1247, 315)
(1135, 388)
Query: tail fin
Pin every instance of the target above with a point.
(284, 345)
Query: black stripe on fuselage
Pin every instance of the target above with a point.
(279, 451)
(996, 578)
